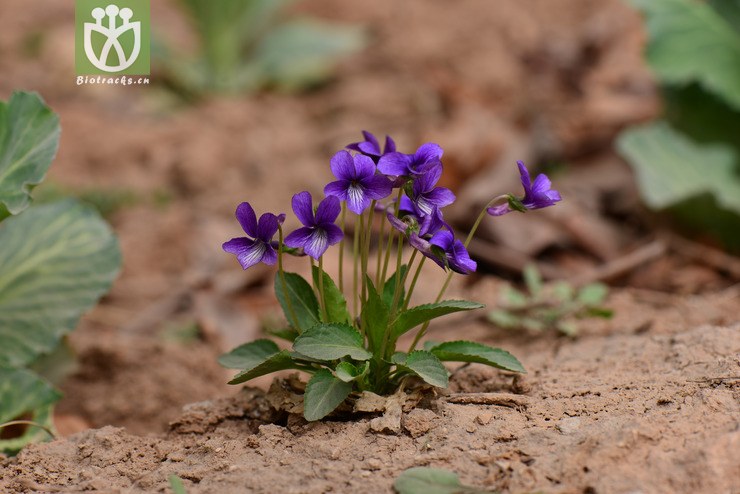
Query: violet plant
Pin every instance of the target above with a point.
(347, 337)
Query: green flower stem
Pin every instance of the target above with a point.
(341, 248)
(400, 283)
(355, 269)
(366, 248)
(383, 221)
(390, 239)
(413, 283)
(446, 284)
(321, 290)
(396, 295)
(281, 273)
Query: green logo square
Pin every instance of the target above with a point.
(112, 37)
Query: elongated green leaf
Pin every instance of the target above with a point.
(277, 362)
(324, 393)
(689, 42)
(468, 351)
(425, 365)
(336, 305)
(29, 137)
(374, 317)
(348, 372)
(249, 355)
(331, 342)
(593, 294)
(301, 297)
(425, 480)
(389, 288)
(671, 168)
(22, 393)
(420, 314)
(533, 279)
(56, 260)
(304, 52)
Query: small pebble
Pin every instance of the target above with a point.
(484, 418)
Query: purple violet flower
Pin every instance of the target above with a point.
(537, 195)
(456, 255)
(400, 164)
(371, 147)
(319, 230)
(260, 247)
(358, 184)
(425, 196)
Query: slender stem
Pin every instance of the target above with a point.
(313, 279)
(446, 284)
(355, 267)
(390, 238)
(321, 290)
(413, 283)
(383, 221)
(396, 294)
(341, 248)
(31, 423)
(399, 286)
(281, 274)
(366, 248)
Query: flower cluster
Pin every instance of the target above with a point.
(367, 178)
(348, 342)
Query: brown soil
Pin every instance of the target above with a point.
(647, 402)
(616, 414)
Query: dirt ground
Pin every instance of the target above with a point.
(646, 402)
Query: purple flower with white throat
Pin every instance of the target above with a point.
(260, 247)
(399, 164)
(357, 182)
(537, 195)
(318, 231)
(425, 196)
(456, 255)
(371, 147)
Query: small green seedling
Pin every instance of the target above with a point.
(246, 45)
(425, 480)
(556, 307)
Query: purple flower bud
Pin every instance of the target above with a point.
(319, 230)
(371, 147)
(537, 195)
(258, 248)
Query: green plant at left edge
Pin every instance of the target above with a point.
(56, 261)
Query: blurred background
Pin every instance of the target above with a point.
(634, 116)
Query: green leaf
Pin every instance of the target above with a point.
(324, 393)
(568, 328)
(533, 279)
(348, 372)
(602, 312)
(287, 334)
(420, 314)
(56, 261)
(23, 394)
(425, 480)
(249, 355)
(468, 351)
(374, 318)
(176, 485)
(690, 42)
(303, 52)
(423, 364)
(336, 305)
(280, 361)
(593, 294)
(331, 342)
(389, 287)
(301, 297)
(563, 291)
(514, 298)
(504, 319)
(729, 10)
(670, 168)
(29, 137)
